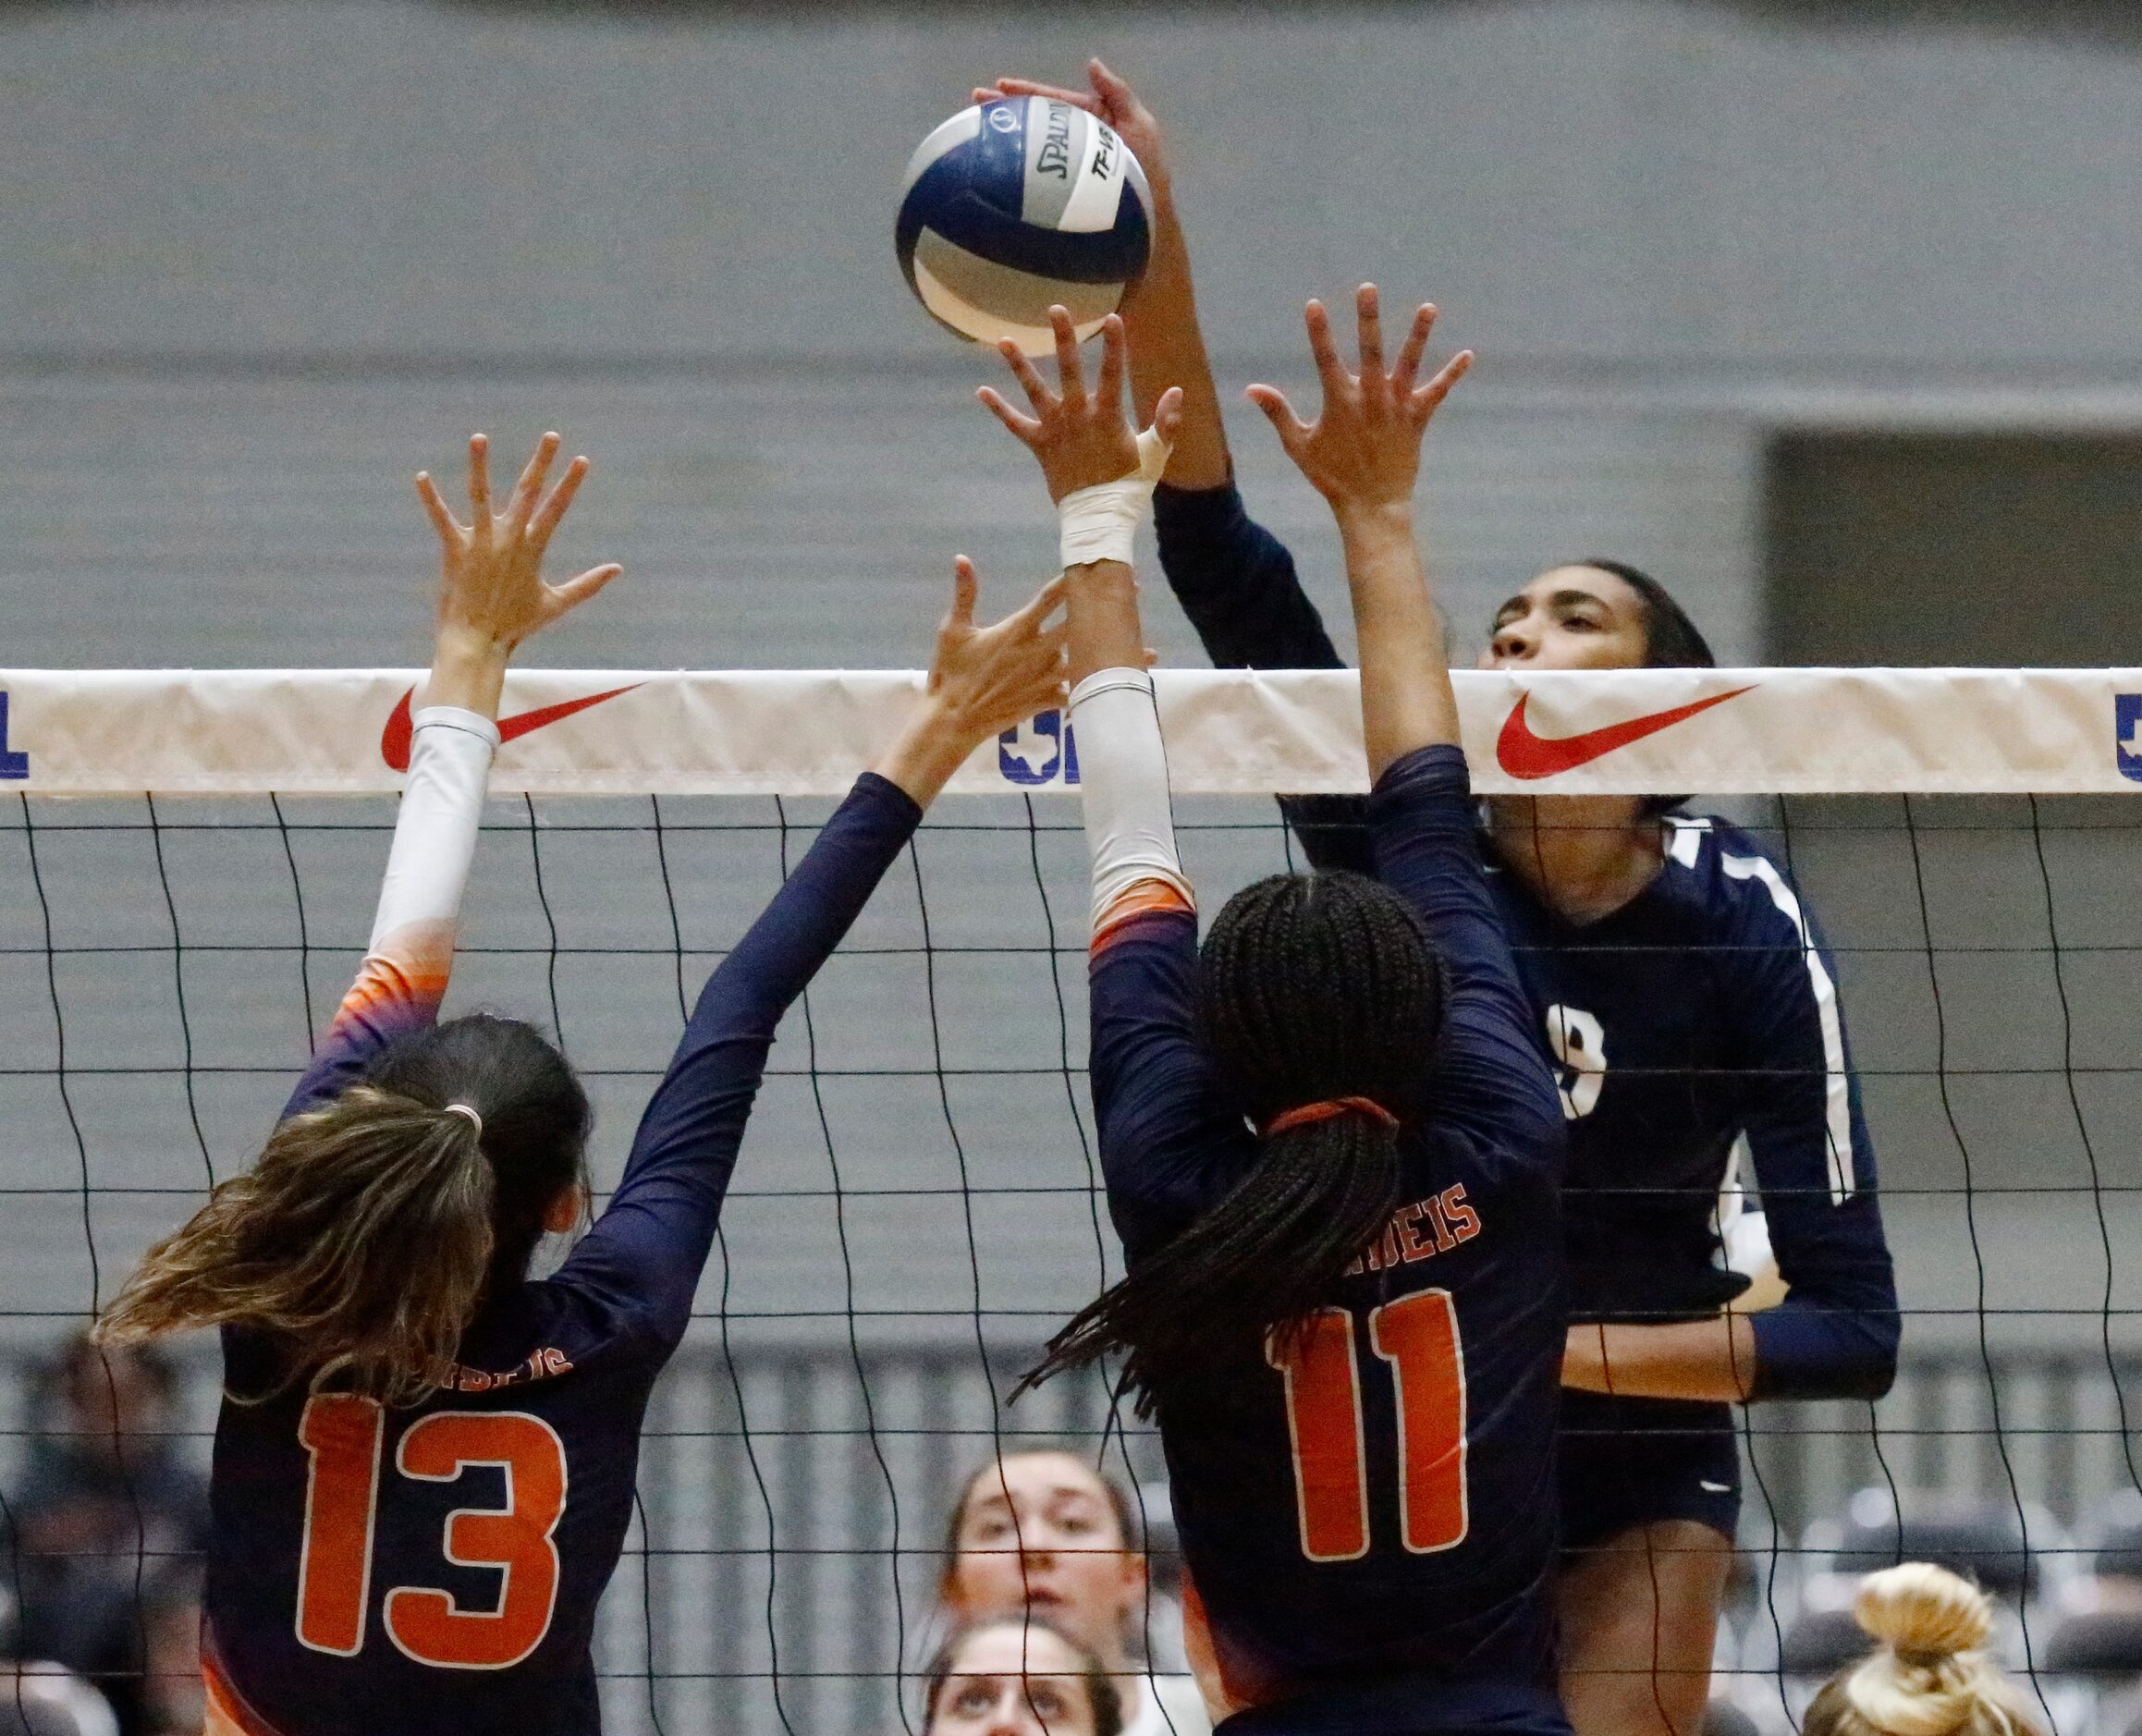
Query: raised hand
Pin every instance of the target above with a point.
(1364, 450)
(1080, 438)
(983, 681)
(1110, 99)
(491, 586)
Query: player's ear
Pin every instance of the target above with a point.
(566, 1207)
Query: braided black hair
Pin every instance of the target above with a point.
(1310, 987)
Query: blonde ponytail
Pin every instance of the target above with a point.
(1931, 1676)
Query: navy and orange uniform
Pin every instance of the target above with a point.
(1700, 1019)
(436, 1569)
(1365, 1508)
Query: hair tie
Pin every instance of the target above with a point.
(475, 1120)
(1324, 1111)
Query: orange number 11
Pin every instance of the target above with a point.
(1418, 1337)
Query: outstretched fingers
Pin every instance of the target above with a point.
(576, 591)
(966, 591)
(528, 489)
(1292, 431)
(1023, 429)
(1324, 352)
(1410, 353)
(554, 508)
(1424, 402)
(1029, 377)
(1027, 87)
(1071, 373)
(1041, 605)
(1168, 414)
(480, 484)
(1107, 85)
(1368, 324)
(443, 520)
(1108, 395)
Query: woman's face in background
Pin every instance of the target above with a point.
(1012, 1679)
(1038, 1532)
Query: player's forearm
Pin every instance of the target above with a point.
(1168, 348)
(1406, 701)
(1101, 621)
(1707, 1360)
(931, 746)
(434, 836)
(468, 670)
(1123, 790)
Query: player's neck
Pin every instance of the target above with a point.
(1584, 857)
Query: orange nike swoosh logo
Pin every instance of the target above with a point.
(394, 741)
(1523, 754)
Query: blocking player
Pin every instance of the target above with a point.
(423, 1468)
(1333, 1149)
(1679, 981)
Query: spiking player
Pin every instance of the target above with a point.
(1677, 977)
(424, 1464)
(1333, 1148)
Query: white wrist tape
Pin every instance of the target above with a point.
(1123, 783)
(434, 834)
(1101, 522)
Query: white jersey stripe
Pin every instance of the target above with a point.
(1843, 1181)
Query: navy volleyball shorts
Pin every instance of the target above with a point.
(1626, 1463)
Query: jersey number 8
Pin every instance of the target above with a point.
(342, 1433)
(1418, 1337)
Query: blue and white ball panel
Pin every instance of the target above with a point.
(1017, 205)
(988, 302)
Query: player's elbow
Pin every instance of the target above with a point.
(1867, 1366)
(1836, 1350)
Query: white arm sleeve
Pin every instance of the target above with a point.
(434, 834)
(1123, 781)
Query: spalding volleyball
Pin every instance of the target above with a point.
(1017, 205)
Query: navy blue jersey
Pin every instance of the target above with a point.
(1375, 1501)
(436, 1569)
(1702, 1012)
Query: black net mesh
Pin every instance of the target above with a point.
(917, 1205)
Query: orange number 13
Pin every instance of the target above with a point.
(1418, 1337)
(342, 1433)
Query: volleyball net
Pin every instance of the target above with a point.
(190, 861)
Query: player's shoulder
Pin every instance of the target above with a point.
(548, 1332)
(1735, 886)
(1723, 875)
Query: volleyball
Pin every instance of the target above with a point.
(1017, 205)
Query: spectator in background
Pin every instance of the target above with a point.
(1018, 1677)
(1931, 1676)
(1040, 1532)
(105, 1512)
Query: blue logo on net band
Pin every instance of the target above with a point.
(2127, 735)
(1041, 750)
(11, 765)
